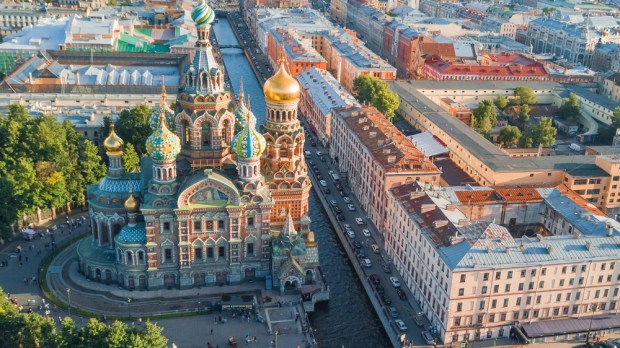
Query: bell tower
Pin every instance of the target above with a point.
(283, 164)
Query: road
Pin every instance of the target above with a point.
(407, 309)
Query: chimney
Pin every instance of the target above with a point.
(372, 135)
(507, 249)
(427, 207)
(550, 249)
(489, 250)
(440, 223)
(450, 207)
(610, 230)
(589, 245)
(539, 237)
(391, 159)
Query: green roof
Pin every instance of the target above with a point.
(130, 43)
(8, 60)
(144, 31)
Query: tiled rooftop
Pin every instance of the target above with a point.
(325, 90)
(388, 145)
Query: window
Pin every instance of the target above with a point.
(250, 221)
(221, 251)
(459, 307)
(521, 286)
(484, 289)
(495, 288)
(541, 284)
(528, 300)
(480, 319)
(522, 273)
(493, 303)
(507, 288)
(491, 318)
(531, 286)
(485, 277)
(197, 225)
(498, 275)
(457, 321)
(561, 282)
(518, 301)
(509, 275)
(515, 316)
(167, 255)
(210, 252)
(505, 302)
(533, 273)
(462, 278)
(198, 253)
(166, 226)
(461, 292)
(502, 317)
(250, 247)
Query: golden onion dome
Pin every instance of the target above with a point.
(281, 87)
(113, 143)
(131, 203)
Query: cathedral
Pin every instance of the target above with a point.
(216, 201)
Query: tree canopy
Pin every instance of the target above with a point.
(524, 116)
(509, 135)
(133, 126)
(372, 90)
(501, 102)
(542, 133)
(43, 163)
(484, 117)
(524, 95)
(569, 110)
(34, 330)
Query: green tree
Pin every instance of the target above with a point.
(131, 159)
(93, 168)
(525, 95)
(69, 335)
(133, 126)
(485, 117)
(372, 90)
(8, 208)
(524, 116)
(509, 135)
(542, 133)
(569, 110)
(501, 102)
(117, 336)
(548, 11)
(152, 336)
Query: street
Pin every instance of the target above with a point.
(407, 309)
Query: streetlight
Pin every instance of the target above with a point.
(69, 297)
(591, 318)
(277, 332)
(129, 307)
(198, 296)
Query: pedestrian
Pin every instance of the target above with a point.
(25, 280)
(211, 331)
(26, 258)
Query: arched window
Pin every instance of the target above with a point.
(129, 258)
(140, 257)
(187, 136)
(206, 134)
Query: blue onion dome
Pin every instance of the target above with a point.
(249, 143)
(132, 234)
(162, 144)
(202, 14)
(241, 113)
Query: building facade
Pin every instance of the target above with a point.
(207, 207)
(373, 155)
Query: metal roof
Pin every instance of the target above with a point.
(571, 325)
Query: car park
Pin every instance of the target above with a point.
(351, 234)
(375, 249)
(374, 279)
(351, 207)
(427, 337)
(393, 312)
(359, 221)
(346, 199)
(395, 282)
(401, 325)
(323, 183)
(366, 233)
(366, 263)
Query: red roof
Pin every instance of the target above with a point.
(446, 68)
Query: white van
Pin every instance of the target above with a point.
(308, 154)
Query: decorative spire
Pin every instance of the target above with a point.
(241, 90)
(282, 58)
(289, 226)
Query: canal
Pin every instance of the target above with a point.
(348, 320)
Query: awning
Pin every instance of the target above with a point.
(428, 144)
(571, 325)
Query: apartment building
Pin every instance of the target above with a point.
(300, 55)
(338, 11)
(15, 17)
(483, 280)
(497, 26)
(611, 87)
(320, 94)
(373, 156)
(421, 105)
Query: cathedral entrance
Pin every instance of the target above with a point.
(309, 277)
(220, 278)
(169, 280)
(108, 276)
(98, 274)
(142, 282)
(199, 279)
(131, 283)
(291, 283)
(250, 273)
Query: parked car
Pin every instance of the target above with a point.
(333, 203)
(375, 249)
(351, 234)
(357, 245)
(359, 221)
(401, 294)
(374, 279)
(395, 282)
(401, 325)
(351, 207)
(338, 210)
(346, 199)
(322, 158)
(393, 312)
(319, 153)
(380, 289)
(427, 337)
(419, 321)
(331, 172)
(386, 300)
(347, 227)
(340, 217)
(327, 190)
(339, 186)
(366, 233)
(387, 269)
(366, 263)
(323, 183)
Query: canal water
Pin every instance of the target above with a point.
(348, 320)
